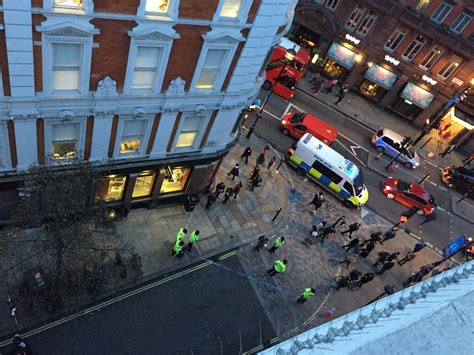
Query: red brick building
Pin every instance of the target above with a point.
(152, 88)
(408, 56)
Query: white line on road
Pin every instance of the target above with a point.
(271, 114)
(350, 151)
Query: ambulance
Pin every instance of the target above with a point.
(328, 168)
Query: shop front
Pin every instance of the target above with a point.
(412, 101)
(339, 61)
(376, 82)
(147, 187)
(455, 127)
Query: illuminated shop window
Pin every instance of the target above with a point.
(157, 6)
(67, 3)
(175, 179)
(231, 8)
(143, 185)
(132, 136)
(111, 188)
(64, 142)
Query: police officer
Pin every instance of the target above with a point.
(193, 238)
(278, 267)
(307, 294)
(178, 248)
(182, 232)
(277, 244)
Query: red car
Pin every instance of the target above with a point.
(409, 195)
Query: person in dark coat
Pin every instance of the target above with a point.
(385, 266)
(375, 237)
(368, 247)
(340, 96)
(237, 189)
(255, 183)
(220, 188)
(262, 242)
(366, 278)
(317, 86)
(327, 231)
(383, 255)
(352, 228)
(317, 200)
(393, 256)
(390, 234)
(234, 172)
(211, 198)
(246, 154)
(255, 172)
(228, 192)
(408, 257)
(352, 244)
(418, 247)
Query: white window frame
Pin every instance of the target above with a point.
(1, 82)
(435, 53)
(358, 12)
(241, 17)
(398, 31)
(5, 162)
(48, 137)
(143, 144)
(421, 43)
(231, 48)
(165, 45)
(205, 121)
(84, 75)
(451, 58)
(439, 8)
(172, 12)
(331, 4)
(458, 20)
(371, 16)
(87, 7)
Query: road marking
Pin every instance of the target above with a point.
(228, 255)
(271, 114)
(355, 155)
(108, 302)
(364, 212)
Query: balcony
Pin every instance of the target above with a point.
(441, 33)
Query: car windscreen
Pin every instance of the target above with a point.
(287, 81)
(411, 150)
(297, 117)
(358, 183)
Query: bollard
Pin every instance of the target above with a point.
(276, 214)
(427, 176)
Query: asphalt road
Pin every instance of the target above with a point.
(354, 143)
(192, 314)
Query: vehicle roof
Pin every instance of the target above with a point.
(327, 154)
(392, 134)
(302, 54)
(466, 171)
(315, 122)
(416, 189)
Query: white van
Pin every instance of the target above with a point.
(330, 169)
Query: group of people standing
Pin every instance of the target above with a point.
(178, 247)
(327, 87)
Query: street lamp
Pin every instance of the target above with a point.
(289, 56)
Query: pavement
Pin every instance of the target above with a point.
(237, 224)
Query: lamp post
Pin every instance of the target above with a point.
(289, 56)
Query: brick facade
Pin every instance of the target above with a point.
(203, 10)
(117, 6)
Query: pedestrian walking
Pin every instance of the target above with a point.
(228, 192)
(279, 266)
(220, 188)
(354, 227)
(234, 172)
(261, 243)
(260, 159)
(317, 86)
(266, 151)
(343, 89)
(366, 278)
(178, 248)
(348, 259)
(255, 183)
(317, 200)
(340, 96)
(328, 230)
(237, 189)
(211, 198)
(385, 266)
(375, 237)
(317, 228)
(352, 244)
(270, 165)
(277, 244)
(448, 150)
(383, 255)
(429, 218)
(193, 238)
(306, 295)
(255, 172)
(368, 247)
(390, 234)
(181, 233)
(329, 86)
(408, 257)
(418, 247)
(393, 256)
(246, 154)
(354, 275)
(417, 277)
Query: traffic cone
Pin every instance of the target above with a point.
(393, 168)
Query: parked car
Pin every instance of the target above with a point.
(460, 179)
(389, 142)
(296, 124)
(409, 195)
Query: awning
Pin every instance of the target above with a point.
(381, 76)
(417, 95)
(342, 55)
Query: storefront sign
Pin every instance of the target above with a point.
(429, 80)
(417, 95)
(392, 60)
(342, 55)
(381, 76)
(352, 39)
